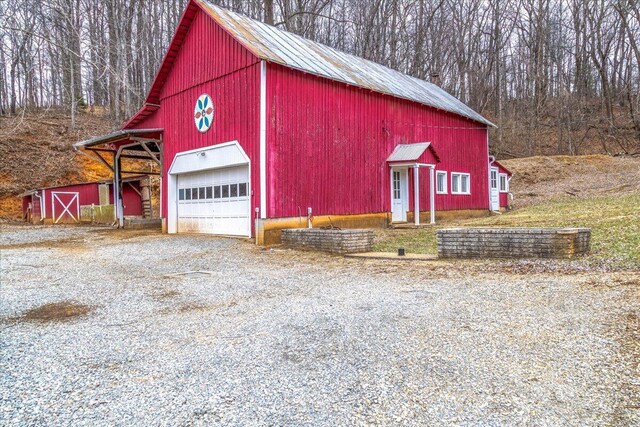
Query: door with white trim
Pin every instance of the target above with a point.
(495, 190)
(399, 194)
(65, 207)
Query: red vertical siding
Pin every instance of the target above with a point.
(504, 200)
(210, 61)
(328, 144)
(154, 121)
(504, 197)
(207, 53)
(131, 200)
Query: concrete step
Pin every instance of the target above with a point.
(408, 225)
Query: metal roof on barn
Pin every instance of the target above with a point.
(290, 50)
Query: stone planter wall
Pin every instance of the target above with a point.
(513, 242)
(334, 241)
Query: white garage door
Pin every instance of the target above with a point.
(215, 201)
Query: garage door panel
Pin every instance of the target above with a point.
(215, 201)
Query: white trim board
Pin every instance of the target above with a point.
(446, 183)
(263, 139)
(460, 174)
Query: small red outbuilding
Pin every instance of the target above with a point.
(82, 202)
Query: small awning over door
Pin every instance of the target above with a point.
(415, 156)
(419, 152)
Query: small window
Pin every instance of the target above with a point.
(455, 183)
(460, 183)
(396, 185)
(464, 184)
(441, 182)
(242, 189)
(194, 194)
(187, 194)
(217, 192)
(504, 183)
(234, 190)
(181, 194)
(201, 193)
(209, 192)
(225, 191)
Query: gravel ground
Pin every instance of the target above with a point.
(287, 338)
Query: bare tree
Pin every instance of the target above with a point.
(557, 76)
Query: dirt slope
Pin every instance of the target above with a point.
(36, 150)
(539, 178)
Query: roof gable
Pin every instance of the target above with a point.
(290, 50)
(193, 19)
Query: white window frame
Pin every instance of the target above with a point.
(504, 176)
(446, 184)
(460, 175)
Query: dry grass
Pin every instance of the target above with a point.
(596, 191)
(540, 178)
(614, 220)
(10, 206)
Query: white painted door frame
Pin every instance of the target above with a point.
(494, 188)
(399, 193)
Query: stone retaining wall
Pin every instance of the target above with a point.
(513, 242)
(335, 241)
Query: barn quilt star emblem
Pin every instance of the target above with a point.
(203, 113)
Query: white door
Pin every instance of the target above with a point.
(495, 191)
(399, 195)
(215, 201)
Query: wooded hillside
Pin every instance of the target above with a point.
(556, 76)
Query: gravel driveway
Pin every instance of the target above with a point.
(253, 337)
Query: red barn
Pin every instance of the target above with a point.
(258, 129)
(83, 202)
